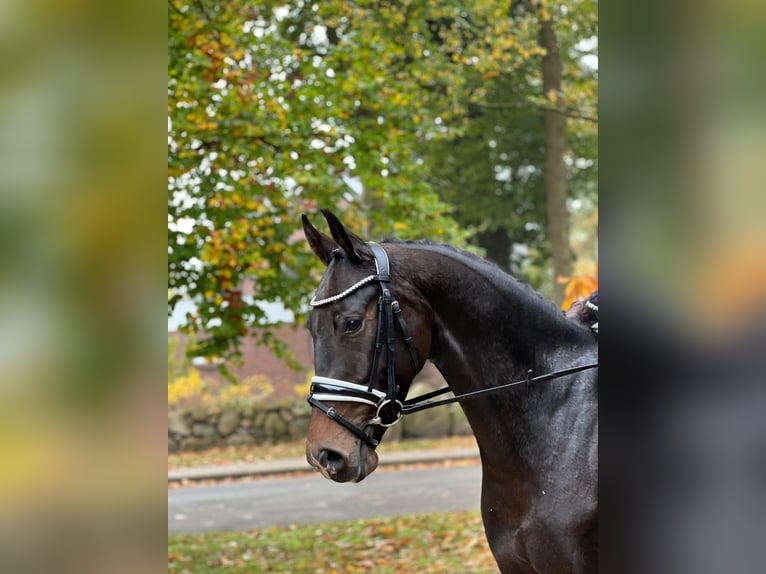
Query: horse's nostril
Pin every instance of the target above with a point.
(332, 460)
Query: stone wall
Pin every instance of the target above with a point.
(271, 422)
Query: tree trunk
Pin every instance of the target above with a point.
(555, 173)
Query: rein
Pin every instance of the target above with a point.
(329, 389)
(422, 403)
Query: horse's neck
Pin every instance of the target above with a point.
(489, 330)
(485, 318)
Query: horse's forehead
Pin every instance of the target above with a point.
(336, 280)
(338, 277)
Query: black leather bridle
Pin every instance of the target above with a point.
(387, 404)
(389, 409)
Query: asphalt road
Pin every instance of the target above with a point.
(307, 500)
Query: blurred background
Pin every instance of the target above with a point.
(683, 259)
(82, 229)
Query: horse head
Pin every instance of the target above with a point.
(363, 313)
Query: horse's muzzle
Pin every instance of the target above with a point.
(340, 467)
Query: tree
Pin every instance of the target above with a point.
(556, 146)
(529, 145)
(276, 109)
(492, 174)
(273, 112)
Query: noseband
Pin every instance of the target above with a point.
(388, 407)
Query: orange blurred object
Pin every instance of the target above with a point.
(578, 287)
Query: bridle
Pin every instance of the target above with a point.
(388, 408)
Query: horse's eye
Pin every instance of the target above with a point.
(353, 325)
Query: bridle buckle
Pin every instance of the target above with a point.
(378, 421)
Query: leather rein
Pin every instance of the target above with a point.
(389, 409)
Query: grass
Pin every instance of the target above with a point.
(257, 453)
(450, 542)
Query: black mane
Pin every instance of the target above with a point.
(487, 266)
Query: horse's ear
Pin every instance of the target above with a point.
(354, 246)
(320, 243)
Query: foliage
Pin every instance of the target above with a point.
(177, 367)
(186, 387)
(273, 112)
(192, 389)
(427, 543)
(380, 110)
(493, 170)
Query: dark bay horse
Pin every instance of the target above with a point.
(381, 311)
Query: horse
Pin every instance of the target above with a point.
(382, 309)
